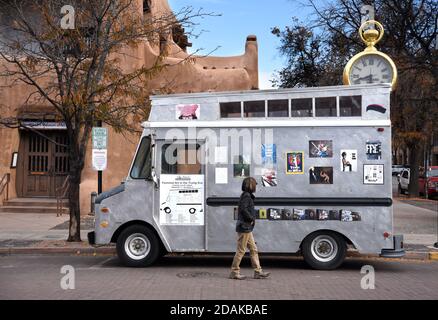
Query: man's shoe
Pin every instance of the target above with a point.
(261, 275)
(237, 276)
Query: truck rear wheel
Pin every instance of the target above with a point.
(324, 250)
(137, 246)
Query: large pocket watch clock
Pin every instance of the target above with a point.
(370, 65)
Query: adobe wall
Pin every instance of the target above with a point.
(199, 74)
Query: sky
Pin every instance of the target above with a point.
(237, 20)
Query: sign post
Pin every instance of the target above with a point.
(100, 153)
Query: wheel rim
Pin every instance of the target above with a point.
(137, 246)
(324, 248)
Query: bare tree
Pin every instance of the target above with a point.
(323, 46)
(78, 71)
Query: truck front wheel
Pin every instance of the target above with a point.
(137, 246)
(324, 250)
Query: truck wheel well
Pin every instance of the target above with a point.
(347, 240)
(137, 222)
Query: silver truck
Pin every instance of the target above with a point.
(321, 157)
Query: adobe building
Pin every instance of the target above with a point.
(37, 167)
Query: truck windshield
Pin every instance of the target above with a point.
(142, 164)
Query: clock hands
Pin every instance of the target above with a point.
(368, 78)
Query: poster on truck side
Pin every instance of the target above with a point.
(373, 174)
(181, 199)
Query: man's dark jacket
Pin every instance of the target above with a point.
(246, 213)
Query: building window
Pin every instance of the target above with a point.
(230, 110)
(254, 109)
(301, 107)
(180, 159)
(350, 106)
(278, 108)
(325, 107)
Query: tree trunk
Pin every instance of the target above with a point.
(75, 211)
(415, 156)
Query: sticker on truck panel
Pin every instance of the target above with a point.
(376, 107)
(374, 150)
(373, 174)
(298, 214)
(181, 199)
(320, 148)
(187, 111)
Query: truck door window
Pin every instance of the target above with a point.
(278, 108)
(350, 106)
(325, 107)
(180, 159)
(405, 175)
(254, 109)
(301, 107)
(142, 164)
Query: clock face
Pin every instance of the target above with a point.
(371, 68)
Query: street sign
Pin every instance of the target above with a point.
(100, 138)
(99, 159)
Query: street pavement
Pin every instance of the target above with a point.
(33, 226)
(30, 276)
(200, 278)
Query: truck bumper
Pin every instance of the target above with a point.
(91, 238)
(397, 251)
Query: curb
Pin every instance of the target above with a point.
(410, 255)
(58, 250)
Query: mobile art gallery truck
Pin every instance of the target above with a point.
(321, 157)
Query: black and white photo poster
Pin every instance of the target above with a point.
(348, 160)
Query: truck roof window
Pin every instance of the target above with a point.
(301, 107)
(278, 108)
(350, 106)
(141, 169)
(230, 110)
(254, 109)
(325, 107)
(179, 158)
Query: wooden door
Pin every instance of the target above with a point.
(45, 163)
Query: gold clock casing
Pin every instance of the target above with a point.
(347, 69)
(370, 37)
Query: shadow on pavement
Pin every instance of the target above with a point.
(269, 263)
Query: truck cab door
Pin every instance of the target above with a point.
(179, 198)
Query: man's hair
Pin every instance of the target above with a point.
(249, 185)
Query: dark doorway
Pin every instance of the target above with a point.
(43, 164)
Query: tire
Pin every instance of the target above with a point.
(400, 189)
(314, 249)
(138, 246)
